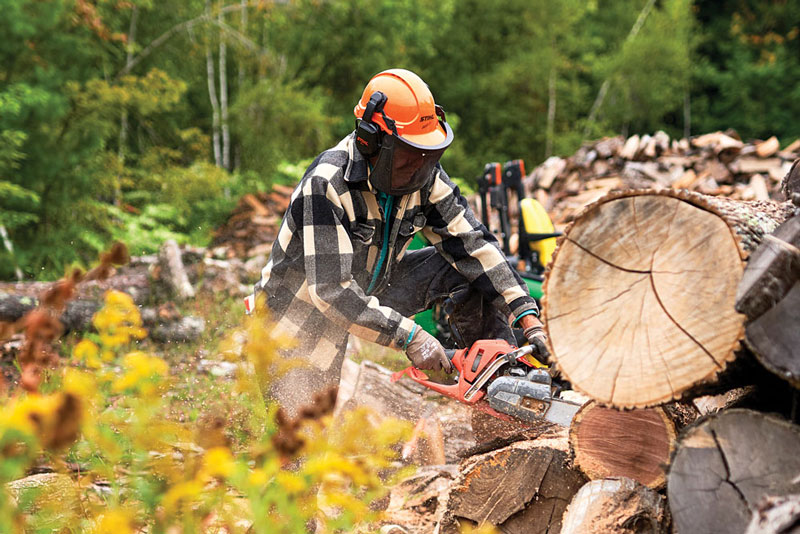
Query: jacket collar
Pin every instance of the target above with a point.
(356, 171)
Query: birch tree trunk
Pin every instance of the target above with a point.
(551, 113)
(212, 95)
(223, 98)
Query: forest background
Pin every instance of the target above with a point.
(139, 121)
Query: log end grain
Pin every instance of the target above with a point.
(639, 302)
(636, 444)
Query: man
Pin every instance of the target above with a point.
(339, 264)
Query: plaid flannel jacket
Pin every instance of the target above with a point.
(328, 246)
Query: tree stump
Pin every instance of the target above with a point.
(639, 302)
(524, 487)
(636, 444)
(616, 506)
(726, 465)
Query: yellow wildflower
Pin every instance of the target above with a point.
(218, 462)
(116, 521)
(118, 321)
(142, 372)
(86, 352)
(258, 478)
(291, 482)
(188, 490)
(80, 383)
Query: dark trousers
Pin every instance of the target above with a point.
(423, 278)
(419, 281)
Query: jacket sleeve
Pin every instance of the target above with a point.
(328, 260)
(472, 250)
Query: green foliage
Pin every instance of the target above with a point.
(747, 64)
(283, 121)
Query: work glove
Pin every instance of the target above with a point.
(534, 333)
(425, 352)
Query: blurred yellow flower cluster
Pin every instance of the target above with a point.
(119, 321)
(112, 406)
(143, 374)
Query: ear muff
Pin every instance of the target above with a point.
(368, 134)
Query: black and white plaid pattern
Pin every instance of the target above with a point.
(329, 243)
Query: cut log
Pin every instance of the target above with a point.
(791, 182)
(420, 500)
(635, 444)
(369, 384)
(726, 465)
(616, 506)
(776, 515)
(775, 337)
(771, 271)
(525, 487)
(172, 271)
(639, 302)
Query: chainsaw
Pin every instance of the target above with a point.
(501, 380)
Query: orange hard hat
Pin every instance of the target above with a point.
(409, 103)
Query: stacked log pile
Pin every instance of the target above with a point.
(658, 296)
(715, 164)
(253, 225)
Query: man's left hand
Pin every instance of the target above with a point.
(533, 329)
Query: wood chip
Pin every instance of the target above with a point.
(630, 148)
(768, 148)
(758, 184)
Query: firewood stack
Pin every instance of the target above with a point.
(661, 294)
(253, 225)
(716, 164)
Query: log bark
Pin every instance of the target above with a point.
(771, 271)
(524, 487)
(639, 302)
(369, 384)
(775, 337)
(79, 313)
(636, 444)
(726, 465)
(616, 506)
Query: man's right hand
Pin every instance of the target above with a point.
(425, 352)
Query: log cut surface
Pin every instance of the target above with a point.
(640, 301)
(618, 506)
(523, 488)
(636, 444)
(727, 465)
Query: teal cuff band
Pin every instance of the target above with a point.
(410, 336)
(523, 314)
